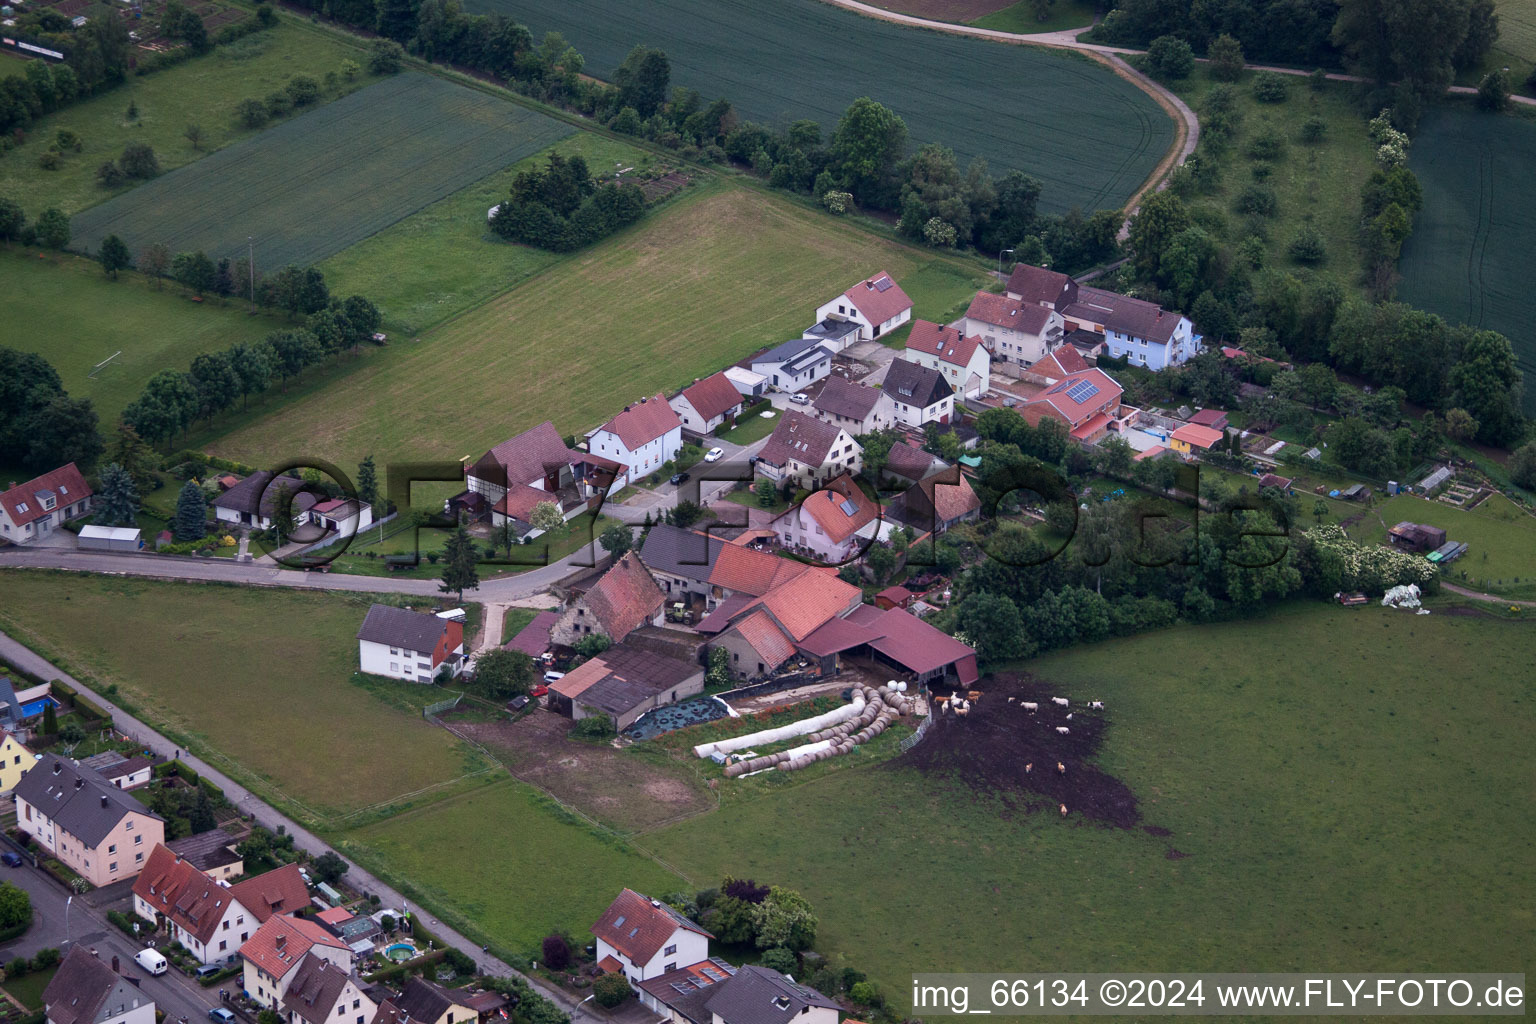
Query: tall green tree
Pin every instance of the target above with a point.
(283, 520)
(114, 256)
(63, 431)
(217, 383)
(116, 502)
(503, 674)
(643, 80)
(53, 228)
(869, 142)
(138, 459)
(253, 368)
(191, 519)
(460, 564)
(1161, 218)
(368, 484)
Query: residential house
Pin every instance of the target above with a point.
(1012, 330)
(273, 894)
(641, 438)
(856, 408)
(86, 990)
(808, 451)
(414, 646)
(323, 992)
(940, 501)
(1139, 331)
(32, 511)
(273, 955)
(834, 333)
(906, 463)
(625, 598)
(681, 562)
(201, 914)
(123, 772)
(342, 516)
(252, 502)
(706, 405)
(961, 359)
(1213, 418)
(834, 523)
(1038, 286)
(763, 634)
(623, 683)
(1191, 439)
(643, 938)
(211, 852)
(15, 761)
(423, 1002)
(678, 997)
(795, 365)
(98, 831)
(919, 394)
(745, 381)
(1057, 366)
(1087, 402)
(536, 466)
(361, 934)
(877, 305)
(757, 995)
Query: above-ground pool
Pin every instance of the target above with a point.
(676, 716)
(400, 952)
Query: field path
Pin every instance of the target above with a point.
(1185, 138)
(1478, 595)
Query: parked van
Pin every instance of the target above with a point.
(152, 961)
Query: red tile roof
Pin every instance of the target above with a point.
(638, 927)
(749, 571)
(947, 343)
(1150, 453)
(643, 422)
(897, 595)
(836, 635)
(279, 945)
(1197, 436)
(841, 509)
(189, 897)
(808, 601)
(949, 499)
(66, 483)
(799, 437)
(907, 639)
(610, 964)
(905, 460)
(1013, 314)
(529, 456)
(1062, 363)
(520, 499)
(1037, 285)
(713, 396)
(1086, 430)
(879, 298)
(1059, 396)
(1213, 418)
(766, 638)
(533, 639)
(280, 891)
(625, 598)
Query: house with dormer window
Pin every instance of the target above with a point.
(31, 511)
(642, 938)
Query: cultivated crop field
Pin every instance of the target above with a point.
(1091, 137)
(1468, 258)
(704, 281)
(318, 183)
(66, 309)
(257, 681)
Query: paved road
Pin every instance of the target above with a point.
(23, 658)
(59, 922)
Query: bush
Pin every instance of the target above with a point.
(611, 990)
(45, 958)
(139, 161)
(1308, 246)
(594, 727)
(1170, 57)
(278, 104)
(866, 994)
(302, 90)
(109, 175)
(1313, 129)
(1269, 87)
(1258, 201)
(251, 113)
(557, 952)
(780, 959)
(1267, 144)
(1493, 92)
(385, 57)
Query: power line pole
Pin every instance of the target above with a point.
(250, 261)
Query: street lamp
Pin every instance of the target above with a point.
(1000, 255)
(66, 919)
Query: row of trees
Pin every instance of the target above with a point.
(559, 207)
(41, 426)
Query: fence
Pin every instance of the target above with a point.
(361, 536)
(438, 707)
(909, 742)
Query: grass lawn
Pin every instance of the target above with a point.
(1315, 184)
(752, 425)
(551, 547)
(28, 989)
(708, 279)
(505, 864)
(1467, 258)
(205, 90)
(1501, 558)
(317, 183)
(87, 317)
(443, 259)
(1322, 769)
(1020, 17)
(514, 619)
(256, 681)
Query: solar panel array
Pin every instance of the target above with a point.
(1082, 391)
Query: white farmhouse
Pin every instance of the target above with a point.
(706, 405)
(643, 938)
(413, 646)
(961, 359)
(919, 394)
(641, 438)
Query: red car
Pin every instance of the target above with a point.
(538, 691)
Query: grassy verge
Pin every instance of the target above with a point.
(1064, 14)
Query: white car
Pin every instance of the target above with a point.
(800, 399)
(714, 455)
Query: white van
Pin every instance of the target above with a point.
(152, 961)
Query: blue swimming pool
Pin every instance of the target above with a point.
(37, 707)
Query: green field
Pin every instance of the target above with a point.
(1351, 787)
(205, 90)
(256, 681)
(1501, 558)
(704, 281)
(1468, 258)
(443, 259)
(66, 309)
(504, 863)
(1091, 137)
(1317, 184)
(320, 182)
(1020, 17)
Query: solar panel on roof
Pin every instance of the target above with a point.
(884, 284)
(849, 509)
(1082, 391)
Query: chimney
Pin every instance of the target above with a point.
(57, 767)
(281, 942)
(79, 783)
(103, 799)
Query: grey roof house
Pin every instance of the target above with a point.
(86, 990)
(101, 832)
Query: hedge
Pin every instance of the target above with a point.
(7, 934)
(224, 975)
(81, 703)
(410, 967)
(63, 873)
